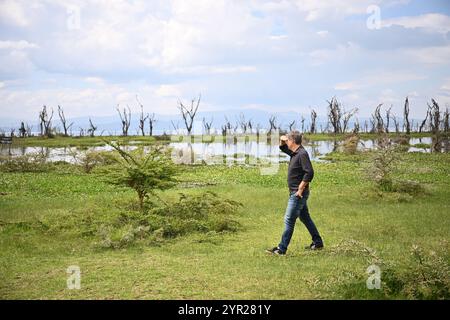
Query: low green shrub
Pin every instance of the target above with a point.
(30, 162)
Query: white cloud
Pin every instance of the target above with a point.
(13, 13)
(333, 9)
(433, 22)
(17, 45)
(430, 55)
(380, 78)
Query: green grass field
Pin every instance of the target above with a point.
(351, 215)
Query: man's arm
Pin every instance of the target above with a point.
(284, 147)
(309, 173)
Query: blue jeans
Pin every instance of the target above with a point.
(298, 208)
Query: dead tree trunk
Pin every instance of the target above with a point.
(207, 126)
(388, 117)
(292, 126)
(22, 130)
(151, 123)
(62, 117)
(377, 122)
(406, 123)
(334, 115)
(356, 126)
(272, 124)
(45, 122)
(92, 128)
(424, 122)
(346, 118)
(302, 124)
(125, 119)
(189, 113)
(446, 121)
(142, 118)
(435, 122)
(313, 129)
(242, 123)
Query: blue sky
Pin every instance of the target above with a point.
(276, 56)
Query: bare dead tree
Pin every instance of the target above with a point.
(92, 128)
(207, 125)
(22, 130)
(62, 117)
(313, 129)
(435, 116)
(151, 123)
(356, 127)
(81, 132)
(396, 123)
(422, 125)
(45, 122)
(243, 124)
(388, 117)
(142, 118)
(29, 129)
(302, 121)
(335, 115)
(406, 123)
(292, 125)
(258, 129)
(435, 120)
(250, 125)
(125, 119)
(347, 115)
(189, 113)
(273, 124)
(377, 120)
(373, 126)
(224, 130)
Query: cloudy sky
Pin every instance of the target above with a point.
(286, 55)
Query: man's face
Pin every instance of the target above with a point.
(290, 143)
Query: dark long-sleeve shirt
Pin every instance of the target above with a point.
(300, 167)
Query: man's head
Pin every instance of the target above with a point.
(294, 140)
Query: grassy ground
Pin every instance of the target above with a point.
(344, 205)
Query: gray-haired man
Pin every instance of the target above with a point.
(300, 174)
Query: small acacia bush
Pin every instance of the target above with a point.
(203, 213)
(382, 165)
(350, 144)
(118, 227)
(427, 276)
(144, 171)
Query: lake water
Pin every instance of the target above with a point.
(216, 152)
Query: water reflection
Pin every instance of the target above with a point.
(232, 150)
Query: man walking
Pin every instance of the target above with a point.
(300, 174)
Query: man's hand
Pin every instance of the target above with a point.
(299, 193)
(301, 188)
(283, 140)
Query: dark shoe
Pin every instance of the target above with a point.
(276, 251)
(315, 246)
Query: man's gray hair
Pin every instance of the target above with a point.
(295, 136)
